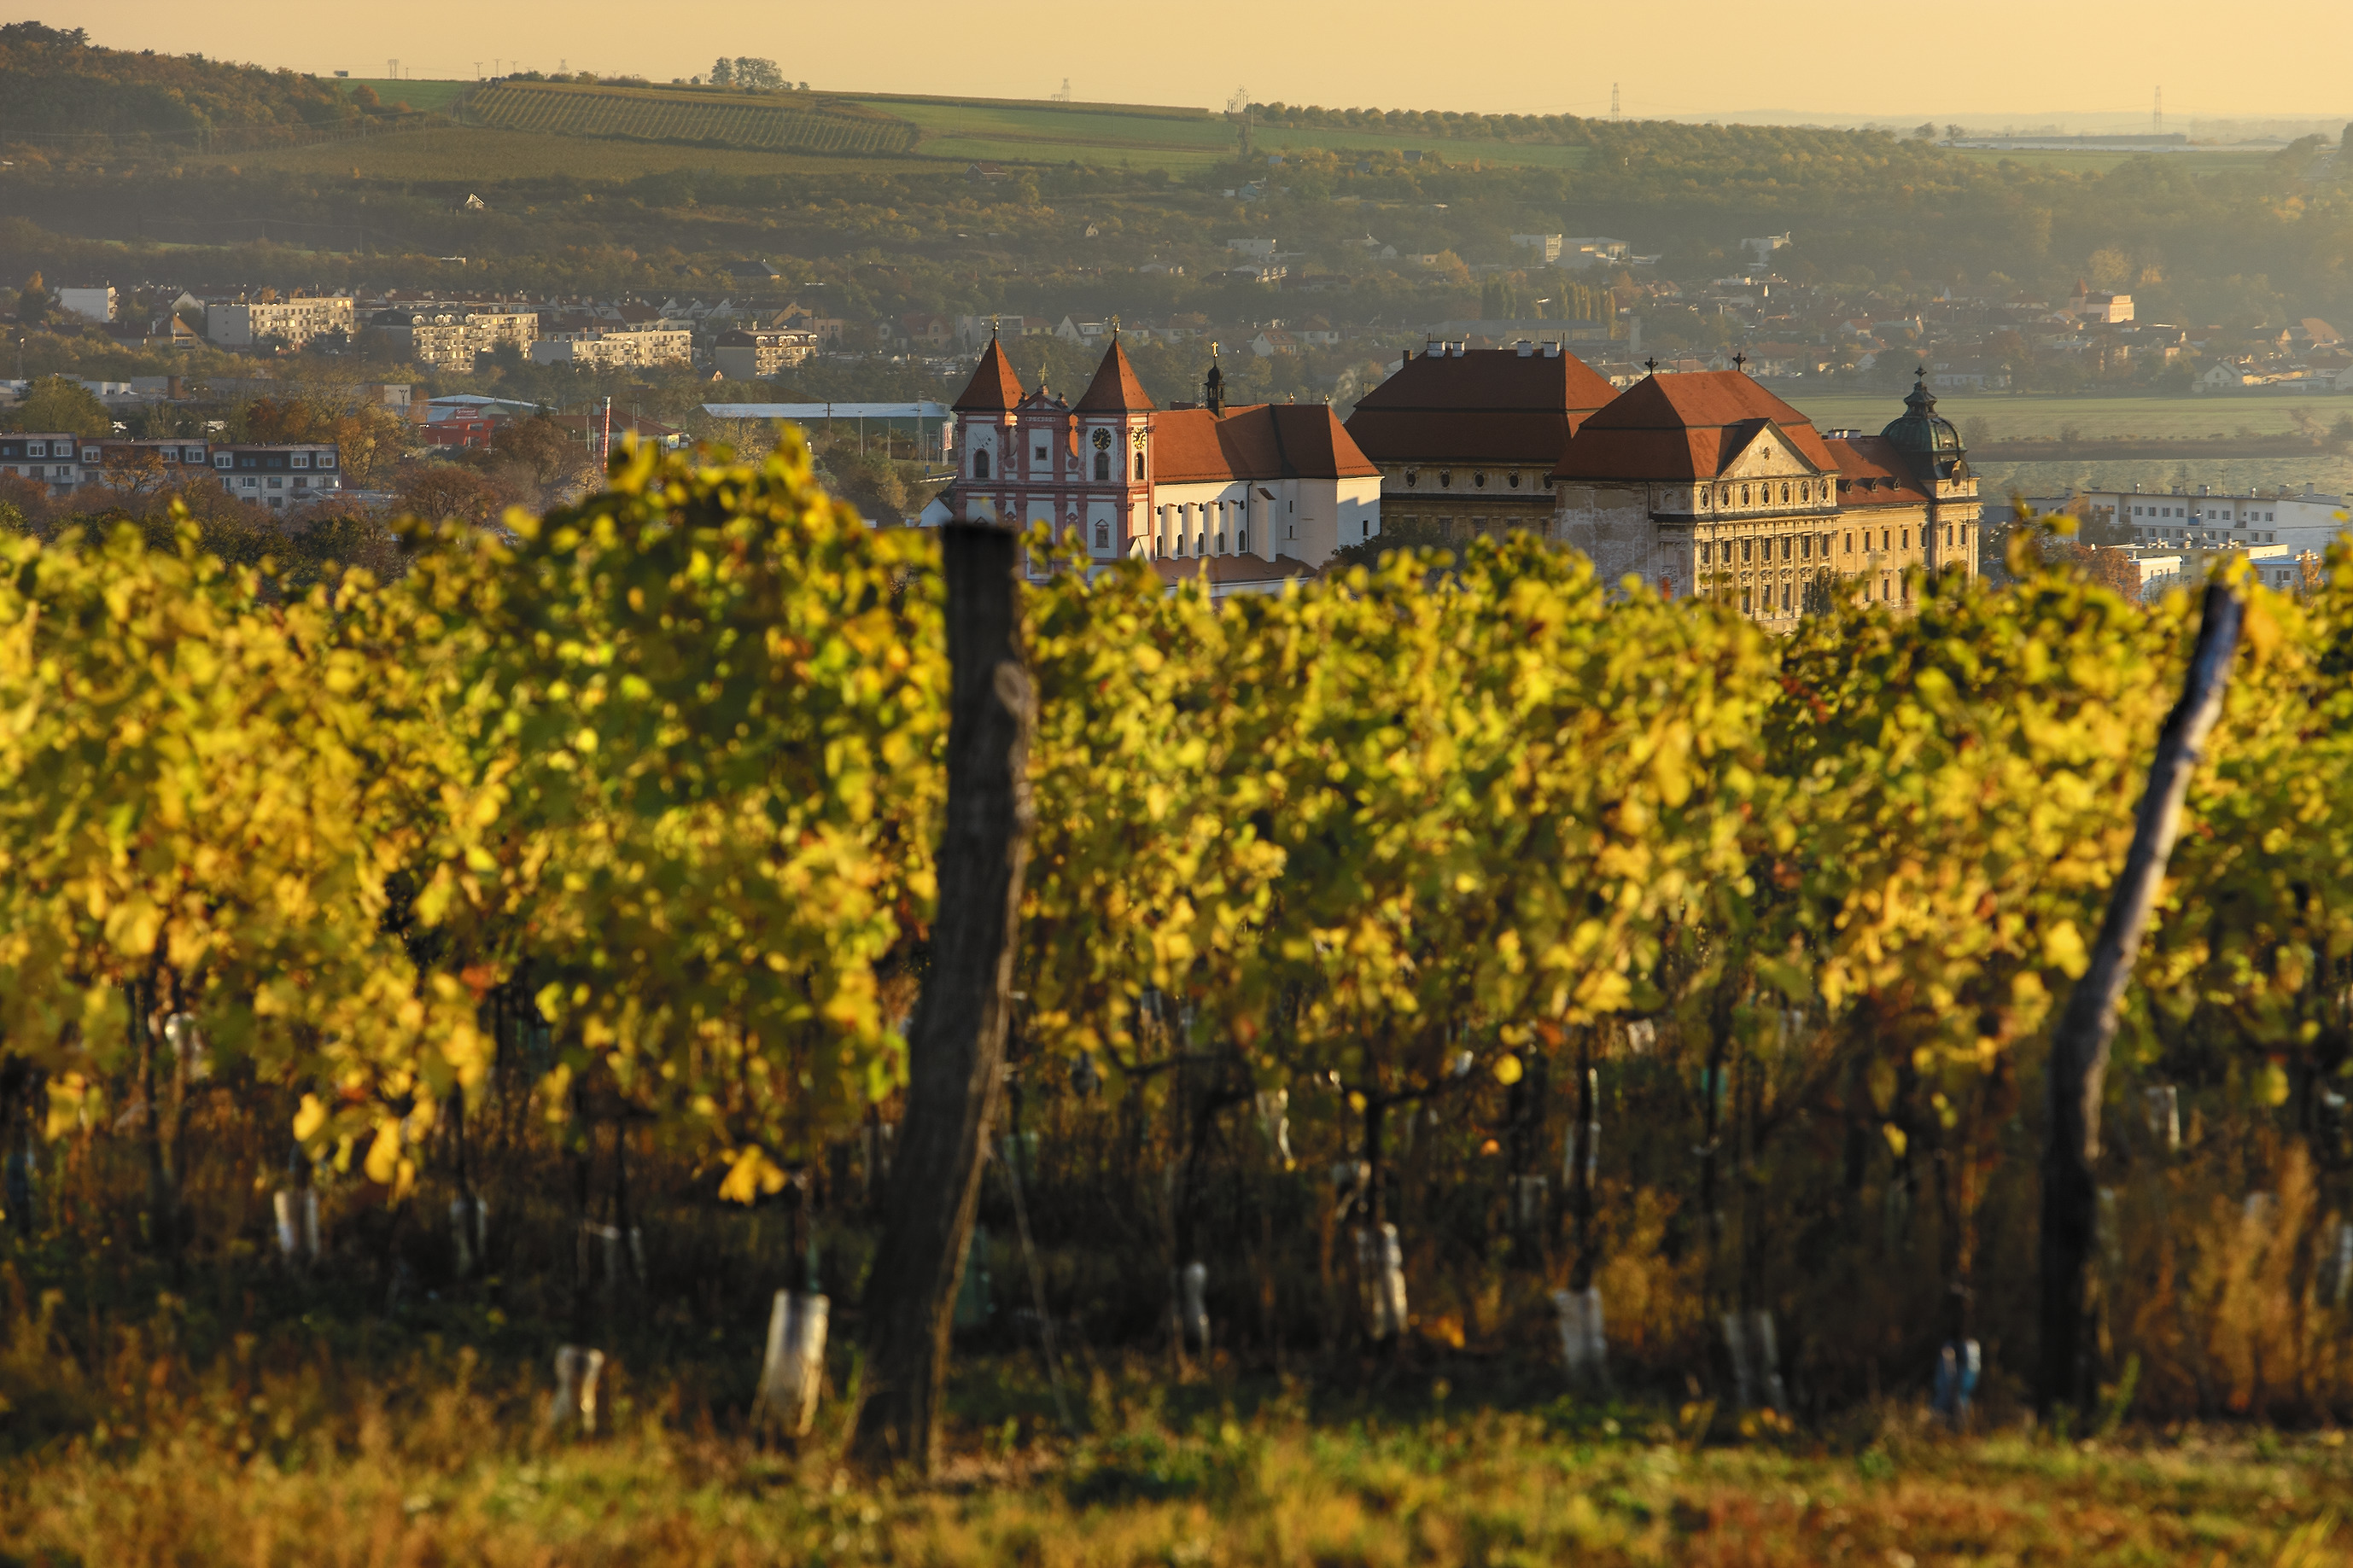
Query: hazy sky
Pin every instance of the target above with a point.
(1835, 58)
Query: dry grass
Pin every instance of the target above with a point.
(447, 1465)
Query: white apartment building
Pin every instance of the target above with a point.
(451, 337)
(2206, 520)
(616, 349)
(278, 476)
(294, 323)
(267, 475)
(741, 355)
(95, 302)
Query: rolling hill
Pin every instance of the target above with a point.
(786, 123)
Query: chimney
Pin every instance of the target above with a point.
(1552, 351)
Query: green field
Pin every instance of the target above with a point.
(470, 154)
(415, 94)
(755, 122)
(2028, 417)
(2097, 418)
(1028, 132)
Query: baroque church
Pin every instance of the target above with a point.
(1242, 496)
(1700, 483)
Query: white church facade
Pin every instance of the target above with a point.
(1242, 496)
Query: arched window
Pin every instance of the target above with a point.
(1785, 495)
(1103, 536)
(1744, 495)
(1103, 468)
(1139, 462)
(980, 462)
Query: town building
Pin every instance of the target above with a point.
(617, 348)
(1199, 489)
(1709, 483)
(2185, 517)
(453, 336)
(2089, 306)
(272, 475)
(293, 322)
(94, 302)
(275, 475)
(1466, 439)
(741, 355)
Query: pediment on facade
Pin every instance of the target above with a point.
(1760, 451)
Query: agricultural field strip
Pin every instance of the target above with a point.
(427, 95)
(2092, 418)
(469, 153)
(967, 125)
(684, 117)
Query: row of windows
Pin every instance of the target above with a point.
(173, 455)
(1103, 464)
(1762, 602)
(1200, 543)
(1806, 545)
(2179, 533)
(2222, 514)
(1805, 488)
(1478, 478)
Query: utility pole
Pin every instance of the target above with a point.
(1613, 101)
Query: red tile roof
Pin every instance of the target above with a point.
(1492, 405)
(1114, 389)
(1686, 427)
(993, 386)
(1872, 472)
(1262, 441)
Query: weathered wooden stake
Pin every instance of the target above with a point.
(2079, 1046)
(958, 1045)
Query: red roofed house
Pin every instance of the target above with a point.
(1242, 496)
(1709, 483)
(1466, 438)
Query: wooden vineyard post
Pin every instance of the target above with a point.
(957, 1048)
(2079, 1046)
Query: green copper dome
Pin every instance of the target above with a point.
(1920, 430)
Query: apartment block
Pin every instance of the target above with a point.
(625, 348)
(451, 337)
(293, 322)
